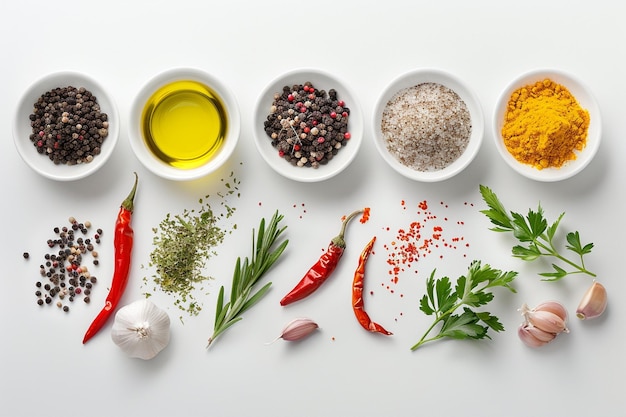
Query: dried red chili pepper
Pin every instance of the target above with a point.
(324, 267)
(357, 293)
(123, 244)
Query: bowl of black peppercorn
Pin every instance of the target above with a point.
(66, 126)
(308, 125)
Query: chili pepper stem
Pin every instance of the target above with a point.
(128, 203)
(339, 239)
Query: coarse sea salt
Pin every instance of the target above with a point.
(426, 127)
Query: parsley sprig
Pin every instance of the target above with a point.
(265, 252)
(537, 237)
(471, 290)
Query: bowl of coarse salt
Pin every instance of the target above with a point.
(546, 125)
(428, 125)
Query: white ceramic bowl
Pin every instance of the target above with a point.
(416, 77)
(320, 81)
(223, 153)
(586, 101)
(22, 130)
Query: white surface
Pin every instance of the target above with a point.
(341, 370)
(585, 98)
(451, 81)
(321, 80)
(154, 164)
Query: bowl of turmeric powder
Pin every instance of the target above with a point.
(547, 125)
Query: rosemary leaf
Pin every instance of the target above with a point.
(265, 252)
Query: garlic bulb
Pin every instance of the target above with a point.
(297, 329)
(593, 303)
(542, 324)
(141, 329)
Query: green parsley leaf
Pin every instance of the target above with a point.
(537, 237)
(471, 290)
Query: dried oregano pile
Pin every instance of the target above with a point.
(182, 245)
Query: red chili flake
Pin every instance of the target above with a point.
(366, 215)
(410, 244)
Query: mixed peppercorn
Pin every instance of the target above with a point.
(64, 274)
(307, 126)
(68, 125)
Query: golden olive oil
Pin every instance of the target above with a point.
(184, 124)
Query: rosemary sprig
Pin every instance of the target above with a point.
(247, 274)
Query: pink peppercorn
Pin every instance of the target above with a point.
(320, 139)
(347, 135)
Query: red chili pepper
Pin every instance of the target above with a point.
(324, 267)
(357, 293)
(123, 244)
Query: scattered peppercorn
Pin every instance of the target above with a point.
(65, 264)
(68, 125)
(307, 126)
(26, 255)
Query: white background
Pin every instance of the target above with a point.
(341, 370)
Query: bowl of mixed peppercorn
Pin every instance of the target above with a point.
(66, 126)
(308, 125)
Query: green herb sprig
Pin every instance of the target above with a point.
(470, 291)
(537, 236)
(246, 275)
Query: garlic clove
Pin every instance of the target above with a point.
(540, 334)
(593, 302)
(529, 335)
(553, 307)
(141, 329)
(298, 329)
(547, 321)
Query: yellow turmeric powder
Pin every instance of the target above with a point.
(544, 125)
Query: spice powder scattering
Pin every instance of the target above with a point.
(544, 125)
(68, 125)
(308, 126)
(426, 127)
(65, 276)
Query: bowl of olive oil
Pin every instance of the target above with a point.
(184, 125)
